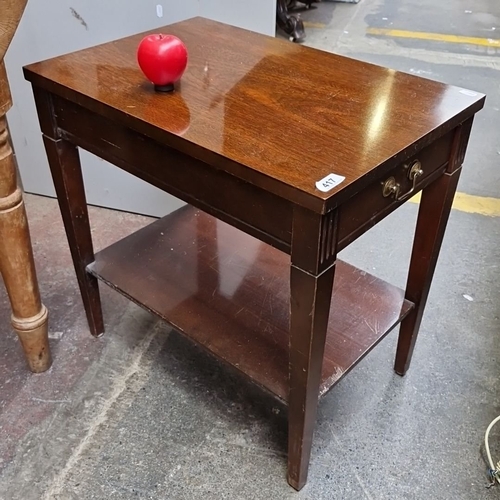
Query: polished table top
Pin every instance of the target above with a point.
(273, 113)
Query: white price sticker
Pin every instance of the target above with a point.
(329, 182)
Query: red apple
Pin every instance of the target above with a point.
(163, 59)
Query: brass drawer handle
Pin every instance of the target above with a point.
(391, 187)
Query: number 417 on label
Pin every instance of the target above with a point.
(329, 182)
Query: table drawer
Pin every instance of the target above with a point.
(385, 194)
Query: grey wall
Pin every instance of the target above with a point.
(255, 15)
(53, 27)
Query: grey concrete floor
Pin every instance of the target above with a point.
(142, 413)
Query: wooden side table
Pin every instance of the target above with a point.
(247, 270)
(29, 315)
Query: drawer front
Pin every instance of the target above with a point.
(384, 195)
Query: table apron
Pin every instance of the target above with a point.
(247, 207)
(369, 206)
(243, 205)
(352, 227)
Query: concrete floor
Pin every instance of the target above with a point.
(141, 413)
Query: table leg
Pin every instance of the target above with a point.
(29, 315)
(66, 171)
(435, 206)
(314, 250)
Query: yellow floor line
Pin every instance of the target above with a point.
(320, 26)
(437, 37)
(472, 204)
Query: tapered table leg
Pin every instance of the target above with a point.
(311, 283)
(29, 315)
(433, 214)
(65, 166)
(435, 206)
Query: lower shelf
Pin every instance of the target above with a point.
(229, 293)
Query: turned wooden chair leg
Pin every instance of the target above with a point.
(29, 315)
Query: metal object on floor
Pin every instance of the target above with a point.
(291, 24)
